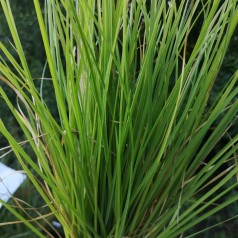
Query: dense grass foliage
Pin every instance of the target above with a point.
(128, 156)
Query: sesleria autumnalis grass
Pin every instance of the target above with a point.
(128, 151)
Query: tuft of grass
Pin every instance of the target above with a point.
(129, 151)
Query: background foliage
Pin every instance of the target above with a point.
(27, 25)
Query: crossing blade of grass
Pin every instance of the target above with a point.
(129, 151)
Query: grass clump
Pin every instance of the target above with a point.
(129, 150)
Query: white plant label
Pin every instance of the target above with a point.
(10, 181)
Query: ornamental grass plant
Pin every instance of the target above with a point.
(129, 154)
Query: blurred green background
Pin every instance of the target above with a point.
(27, 25)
